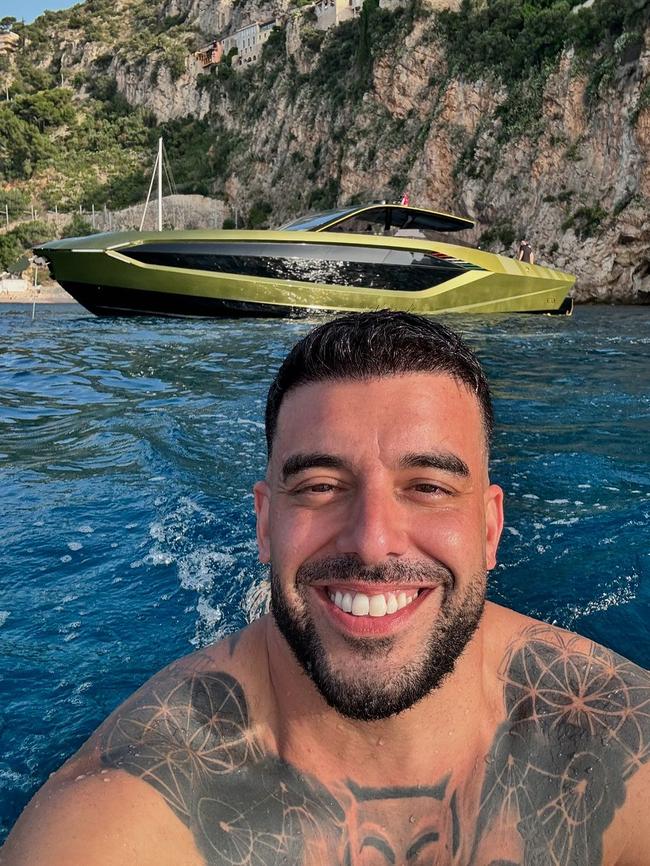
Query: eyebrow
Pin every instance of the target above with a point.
(300, 462)
(443, 460)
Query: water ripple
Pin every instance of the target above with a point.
(129, 449)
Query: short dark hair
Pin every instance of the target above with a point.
(375, 345)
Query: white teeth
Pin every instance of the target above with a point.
(378, 605)
(360, 604)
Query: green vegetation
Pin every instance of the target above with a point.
(642, 104)
(501, 233)
(312, 39)
(326, 197)
(343, 72)
(258, 216)
(586, 221)
(90, 147)
(17, 241)
(89, 151)
(562, 197)
(68, 133)
(510, 39)
(78, 227)
(23, 149)
(519, 44)
(16, 202)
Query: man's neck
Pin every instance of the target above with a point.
(448, 728)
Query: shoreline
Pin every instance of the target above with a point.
(35, 294)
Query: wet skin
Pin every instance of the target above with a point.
(575, 732)
(533, 752)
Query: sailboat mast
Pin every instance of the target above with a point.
(160, 187)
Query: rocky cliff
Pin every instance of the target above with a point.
(559, 152)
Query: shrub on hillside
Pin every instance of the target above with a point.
(259, 214)
(10, 251)
(78, 227)
(17, 241)
(31, 233)
(15, 201)
(22, 147)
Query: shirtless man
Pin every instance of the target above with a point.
(384, 713)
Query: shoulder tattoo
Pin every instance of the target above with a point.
(577, 727)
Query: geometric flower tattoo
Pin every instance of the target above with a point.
(577, 727)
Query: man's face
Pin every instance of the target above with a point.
(379, 522)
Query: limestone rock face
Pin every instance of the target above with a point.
(156, 90)
(575, 181)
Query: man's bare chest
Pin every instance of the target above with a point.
(545, 791)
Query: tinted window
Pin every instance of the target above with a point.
(305, 224)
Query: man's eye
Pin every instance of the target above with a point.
(322, 487)
(429, 488)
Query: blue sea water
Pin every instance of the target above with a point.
(127, 454)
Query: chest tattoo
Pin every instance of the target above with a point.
(576, 728)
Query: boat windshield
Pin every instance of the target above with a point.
(315, 220)
(402, 222)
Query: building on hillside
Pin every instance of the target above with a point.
(8, 41)
(331, 13)
(249, 41)
(210, 55)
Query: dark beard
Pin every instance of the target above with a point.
(456, 623)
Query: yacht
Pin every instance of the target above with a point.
(357, 258)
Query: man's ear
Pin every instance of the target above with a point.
(262, 494)
(493, 523)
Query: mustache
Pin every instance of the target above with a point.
(349, 568)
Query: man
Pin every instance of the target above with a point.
(526, 253)
(384, 713)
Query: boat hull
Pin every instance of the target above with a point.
(281, 274)
(116, 301)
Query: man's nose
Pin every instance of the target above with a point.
(375, 527)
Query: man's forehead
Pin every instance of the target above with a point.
(419, 388)
(400, 403)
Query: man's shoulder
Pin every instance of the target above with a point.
(564, 672)
(103, 818)
(190, 720)
(573, 745)
(188, 690)
(173, 706)
(560, 687)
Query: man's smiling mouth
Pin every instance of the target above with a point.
(376, 605)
